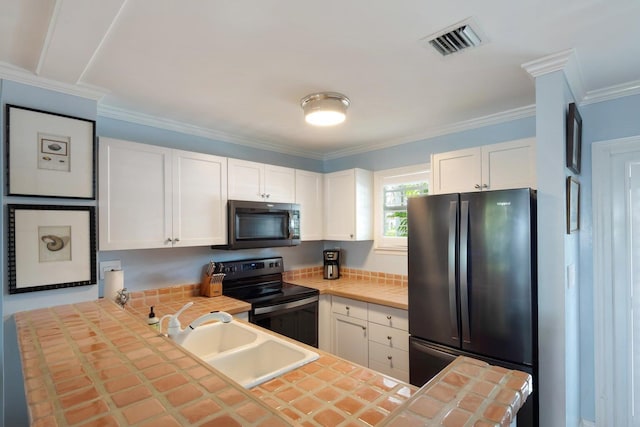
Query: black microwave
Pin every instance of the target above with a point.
(262, 224)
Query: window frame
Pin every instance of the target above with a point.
(381, 243)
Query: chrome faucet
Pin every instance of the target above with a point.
(175, 331)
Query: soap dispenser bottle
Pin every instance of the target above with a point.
(153, 321)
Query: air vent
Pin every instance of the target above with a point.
(462, 37)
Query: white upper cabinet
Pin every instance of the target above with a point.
(310, 197)
(260, 182)
(509, 165)
(348, 202)
(199, 199)
(155, 197)
(279, 184)
(490, 167)
(456, 171)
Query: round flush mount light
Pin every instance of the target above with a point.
(325, 108)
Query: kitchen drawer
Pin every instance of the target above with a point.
(386, 369)
(349, 307)
(389, 337)
(389, 361)
(389, 316)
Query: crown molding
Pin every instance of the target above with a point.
(565, 61)
(549, 63)
(20, 75)
(492, 119)
(190, 129)
(612, 92)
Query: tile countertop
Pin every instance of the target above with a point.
(94, 364)
(389, 294)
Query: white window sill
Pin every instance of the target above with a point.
(398, 250)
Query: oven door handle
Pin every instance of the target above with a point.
(285, 306)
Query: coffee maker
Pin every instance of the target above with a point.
(331, 263)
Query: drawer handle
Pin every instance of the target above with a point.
(388, 317)
(389, 357)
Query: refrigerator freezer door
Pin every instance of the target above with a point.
(497, 281)
(433, 266)
(425, 361)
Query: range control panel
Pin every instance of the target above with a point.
(247, 268)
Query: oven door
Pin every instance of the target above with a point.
(294, 319)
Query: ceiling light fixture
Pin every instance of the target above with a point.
(325, 108)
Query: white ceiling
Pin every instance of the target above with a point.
(238, 68)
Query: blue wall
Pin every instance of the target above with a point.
(149, 135)
(418, 152)
(13, 403)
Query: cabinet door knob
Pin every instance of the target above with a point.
(388, 317)
(485, 186)
(176, 240)
(389, 357)
(364, 328)
(347, 308)
(351, 236)
(389, 337)
(168, 240)
(267, 195)
(477, 186)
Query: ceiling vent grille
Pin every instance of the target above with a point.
(456, 40)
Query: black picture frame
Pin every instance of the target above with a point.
(574, 139)
(49, 154)
(573, 205)
(50, 247)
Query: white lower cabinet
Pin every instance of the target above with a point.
(371, 335)
(349, 330)
(350, 339)
(242, 316)
(324, 323)
(389, 341)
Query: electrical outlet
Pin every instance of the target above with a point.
(108, 266)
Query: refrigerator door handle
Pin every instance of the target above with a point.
(464, 285)
(453, 222)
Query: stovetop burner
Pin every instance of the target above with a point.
(259, 282)
(270, 294)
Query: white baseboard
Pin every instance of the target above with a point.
(585, 423)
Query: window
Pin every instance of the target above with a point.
(392, 189)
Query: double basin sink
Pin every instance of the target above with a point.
(245, 354)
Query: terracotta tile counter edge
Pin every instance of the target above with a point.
(95, 364)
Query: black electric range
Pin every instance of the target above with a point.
(288, 309)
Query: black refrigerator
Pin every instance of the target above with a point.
(473, 283)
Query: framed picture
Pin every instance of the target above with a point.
(50, 155)
(574, 138)
(50, 247)
(573, 205)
